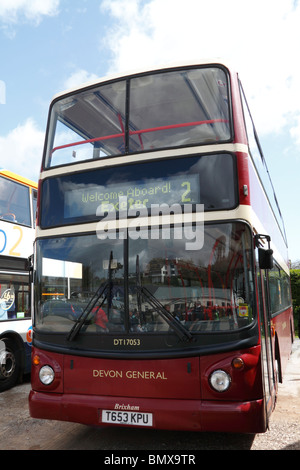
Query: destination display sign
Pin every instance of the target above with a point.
(84, 201)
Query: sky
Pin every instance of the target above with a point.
(48, 46)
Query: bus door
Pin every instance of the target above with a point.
(269, 377)
(267, 346)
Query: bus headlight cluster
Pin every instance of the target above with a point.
(46, 375)
(220, 380)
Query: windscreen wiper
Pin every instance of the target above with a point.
(104, 291)
(172, 321)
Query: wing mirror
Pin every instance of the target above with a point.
(265, 255)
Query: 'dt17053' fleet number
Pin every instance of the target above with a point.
(127, 342)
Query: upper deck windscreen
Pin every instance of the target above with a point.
(161, 110)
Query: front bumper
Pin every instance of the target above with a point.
(169, 414)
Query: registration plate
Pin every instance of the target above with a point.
(132, 418)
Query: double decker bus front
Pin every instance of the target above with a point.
(145, 311)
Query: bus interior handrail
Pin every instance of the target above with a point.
(139, 132)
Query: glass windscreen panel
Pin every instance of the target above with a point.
(145, 286)
(186, 107)
(82, 197)
(14, 297)
(153, 111)
(14, 202)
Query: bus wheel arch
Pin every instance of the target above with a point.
(12, 360)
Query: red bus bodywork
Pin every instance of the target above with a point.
(176, 391)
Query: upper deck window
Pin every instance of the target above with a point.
(14, 202)
(161, 110)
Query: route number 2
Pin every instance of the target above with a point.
(3, 241)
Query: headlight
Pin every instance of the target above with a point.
(46, 375)
(220, 380)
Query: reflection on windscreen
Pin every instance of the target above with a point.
(205, 291)
(166, 109)
(14, 202)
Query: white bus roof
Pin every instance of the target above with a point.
(120, 75)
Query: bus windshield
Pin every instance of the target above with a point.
(162, 110)
(146, 284)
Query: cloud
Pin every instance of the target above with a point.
(295, 131)
(21, 150)
(78, 78)
(14, 11)
(260, 39)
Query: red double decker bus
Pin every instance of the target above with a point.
(162, 294)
